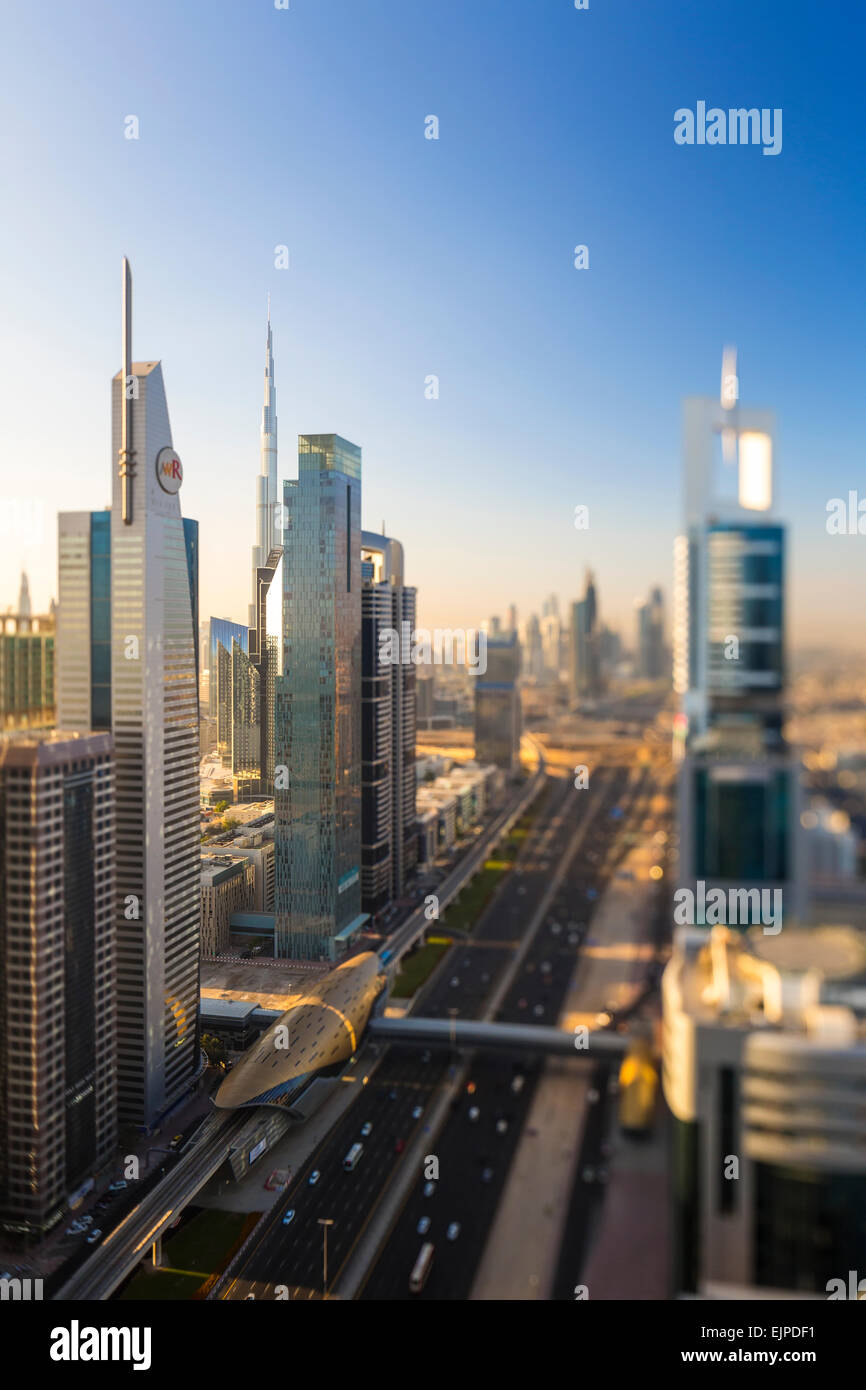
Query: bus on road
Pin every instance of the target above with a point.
(352, 1157)
(421, 1268)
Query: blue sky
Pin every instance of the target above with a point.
(409, 257)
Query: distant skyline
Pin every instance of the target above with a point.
(411, 257)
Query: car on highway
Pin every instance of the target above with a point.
(399, 1145)
(487, 1175)
(417, 1112)
(588, 1174)
(392, 1095)
(474, 1113)
(454, 982)
(425, 1057)
(367, 1129)
(429, 1189)
(94, 1236)
(502, 1125)
(314, 1177)
(453, 1230)
(289, 1216)
(521, 1003)
(538, 1010)
(517, 1084)
(423, 1226)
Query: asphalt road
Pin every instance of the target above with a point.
(474, 1154)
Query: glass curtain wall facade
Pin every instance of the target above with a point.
(318, 705)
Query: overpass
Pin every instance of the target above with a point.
(126, 1246)
(521, 1037)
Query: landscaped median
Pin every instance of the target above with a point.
(193, 1256)
(464, 912)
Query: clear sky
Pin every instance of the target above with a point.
(408, 257)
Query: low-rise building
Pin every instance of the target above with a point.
(228, 884)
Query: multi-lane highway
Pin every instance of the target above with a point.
(475, 1153)
(569, 840)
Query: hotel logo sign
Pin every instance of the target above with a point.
(169, 470)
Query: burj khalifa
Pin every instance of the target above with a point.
(267, 526)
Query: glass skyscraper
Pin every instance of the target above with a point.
(388, 821)
(317, 754)
(739, 785)
(224, 635)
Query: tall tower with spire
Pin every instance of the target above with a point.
(267, 528)
(24, 606)
(127, 641)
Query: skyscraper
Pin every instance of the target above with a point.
(267, 523)
(127, 660)
(584, 652)
(764, 1051)
(497, 706)
(26, 666)
(650, 654)
(317, 775)
(57, 971)
(224, 636)
(388, 822)
(534, 663)
(739, 785)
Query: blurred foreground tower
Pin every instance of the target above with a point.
(764, 1050)
(739, 798)
(57, 972)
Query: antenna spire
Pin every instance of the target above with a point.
(127, 453)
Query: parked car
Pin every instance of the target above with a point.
(94, 1236)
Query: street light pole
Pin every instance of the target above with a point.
(325, 1222)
